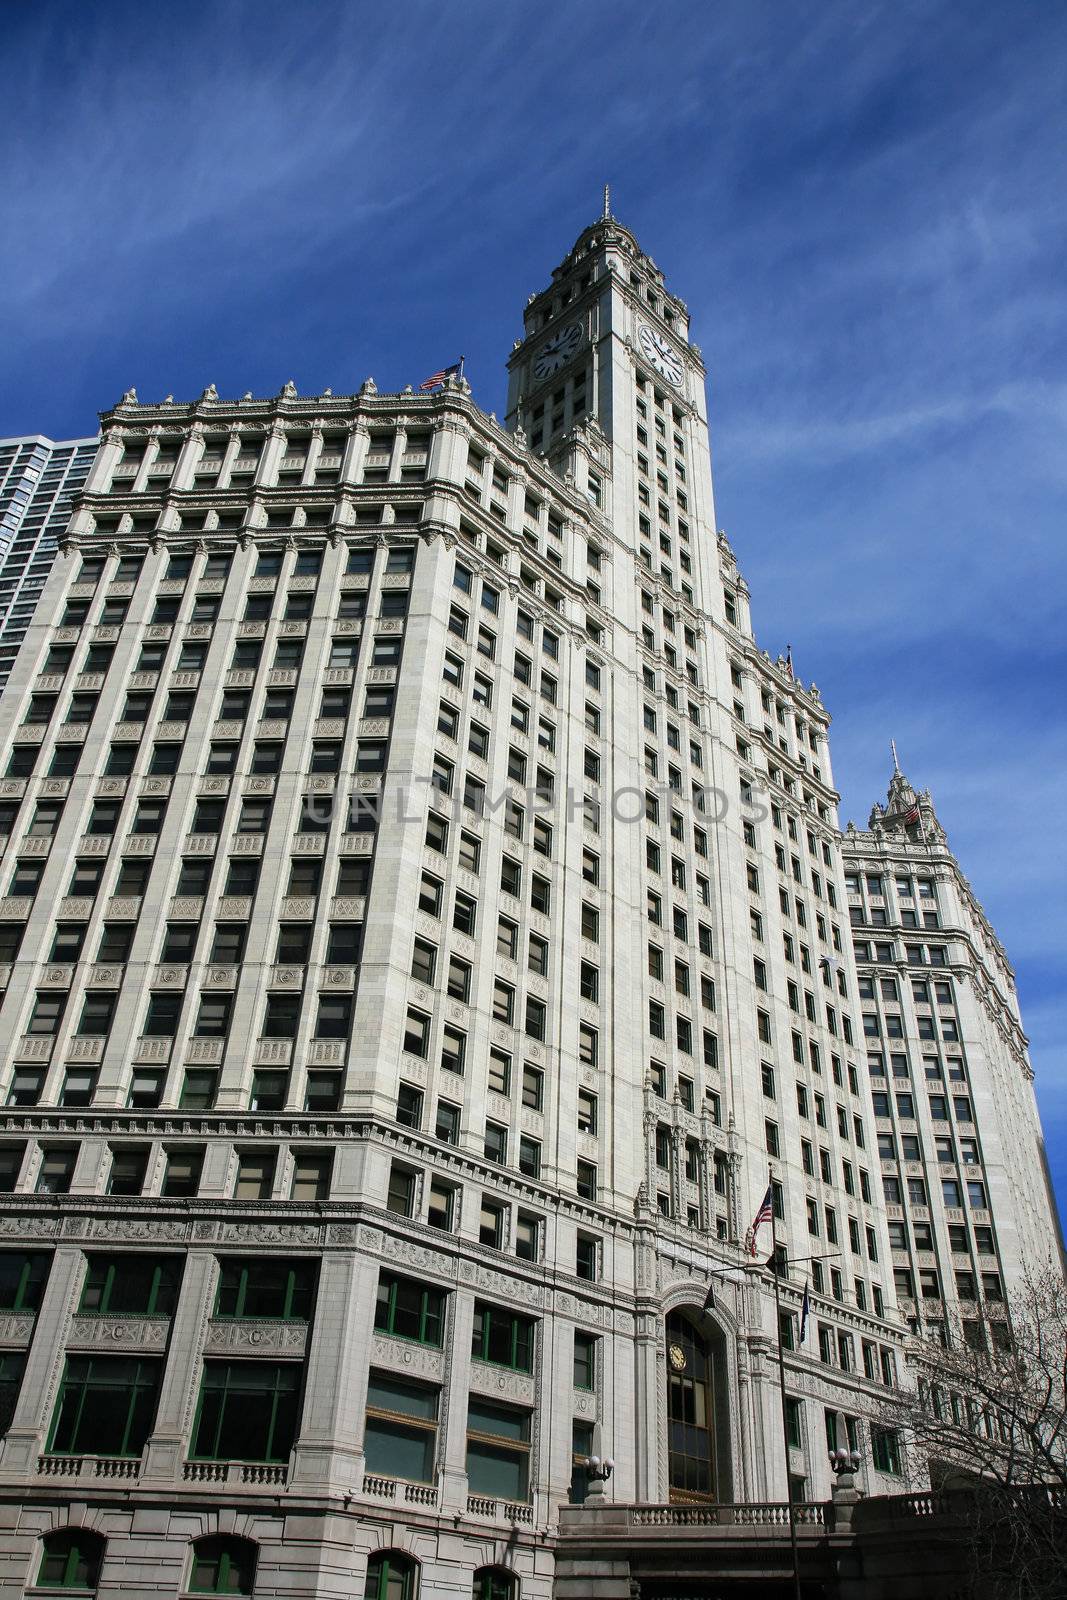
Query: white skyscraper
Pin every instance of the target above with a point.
(964, 1173)
(425, 941)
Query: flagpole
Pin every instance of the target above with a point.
(781, 1389)
(462, 359)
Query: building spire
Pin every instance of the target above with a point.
(896, 763)
(607, 200)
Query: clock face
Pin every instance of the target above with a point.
(676, 1357)
(661, 354)
(558, 349)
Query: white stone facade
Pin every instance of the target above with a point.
(529, 1040)
(968, 1194)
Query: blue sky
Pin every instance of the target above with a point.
(863, 204)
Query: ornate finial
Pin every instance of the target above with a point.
(896, 763)
(129, 398)
(607, 201)
(210, 393)
(168, 400)
(288, 391)
(368, 386)
(328, 393)
(247, 395)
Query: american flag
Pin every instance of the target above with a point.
(805, 1310)
(437, 378)
(910, 816)
(763, 1215)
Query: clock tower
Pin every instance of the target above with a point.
(607, 386)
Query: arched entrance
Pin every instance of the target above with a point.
(698, 1456)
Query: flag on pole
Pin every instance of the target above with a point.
(709, 1299)
(910, 816)
(805, 1308)
(435, 379)
(764, 1214)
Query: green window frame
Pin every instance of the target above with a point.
(130, 1285)
(223, 1566)
(410, 1310)
(12, 1366)
(503, 1338)
(885, 1450)
(585, 1360)
(493, 1583)
(106, 1406)
(263, 1286)
(23, 1275)
(71, 1559)
(794, 1412)
(391, 1576)
(247, 1411)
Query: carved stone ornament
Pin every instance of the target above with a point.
(258, 1338)
(149, 1333)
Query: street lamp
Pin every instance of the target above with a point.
(598, 1470)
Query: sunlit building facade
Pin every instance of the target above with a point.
(964, 1172)
(425, 936)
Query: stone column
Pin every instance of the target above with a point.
(329, 1447)
(270, 455)
(44, 1360)
(169, 1442)
(106, 460)
(453, 1448)
(355, 452)
(314, 452)
(188, 457)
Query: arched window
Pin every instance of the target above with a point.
(223, 1566)
(391, 1576)
(71, 1560)
(493, 1583)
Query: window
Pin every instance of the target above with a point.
(223, 1566)
(334, 1019)
(265, 1286)
(128, 1169)
(502, 1337)
(182, 1175)
(57, 1170)
(401, 1433)
(23, 1275)
(400, 1197)
(498, 1450)
(130, 1285)
(885, 1450)
(390, 1575)
(247, 1411)
(587, 1256)
(255, 1175)
(311, 1177)
(106, 1406)
(70, 1559)
(410, 1310)
(493, 1583)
